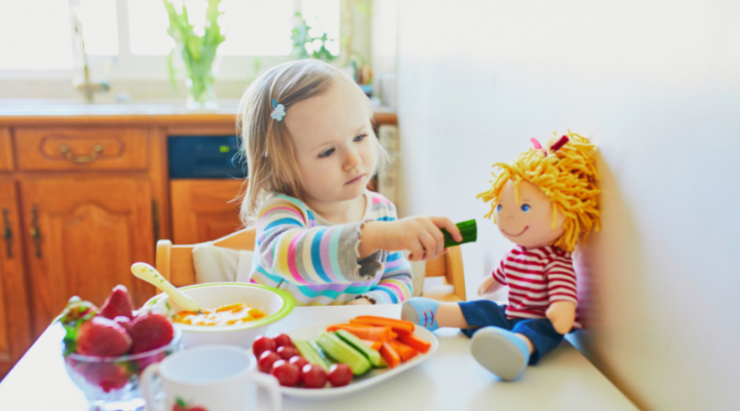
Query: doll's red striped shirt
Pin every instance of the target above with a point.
(536, 278)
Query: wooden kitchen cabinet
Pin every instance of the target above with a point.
(84, 193)
(82, 235)
(6, 151)
(15, 325)
(204, 210)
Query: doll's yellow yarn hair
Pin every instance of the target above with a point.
(568, 178)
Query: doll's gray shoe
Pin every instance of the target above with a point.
(500, 352)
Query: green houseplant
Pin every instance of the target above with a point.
(197, 51)
(301, 36)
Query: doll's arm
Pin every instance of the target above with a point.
(561, 289)
(489, 285)
(493, 282)
(562, 314)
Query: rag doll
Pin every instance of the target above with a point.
(545, 202)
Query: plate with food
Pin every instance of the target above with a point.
(334, 359)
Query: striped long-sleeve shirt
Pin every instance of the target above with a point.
(536, 278)
(317, 261)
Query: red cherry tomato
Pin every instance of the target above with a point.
(299, 361)
(286, 373)
(283, 340)
(267, 359)
(313, 376)
(286, 352)
(262, 344)
(340, 374)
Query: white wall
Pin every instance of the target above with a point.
(656, 85)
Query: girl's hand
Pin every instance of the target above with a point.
(488, 286)
(562, 314)
(420, 235)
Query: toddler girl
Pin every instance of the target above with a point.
(321, 234)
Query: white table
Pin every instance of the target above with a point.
(451, 380)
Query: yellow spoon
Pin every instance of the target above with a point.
(150, 274)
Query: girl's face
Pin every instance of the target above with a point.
(334, 151)
(527, 223)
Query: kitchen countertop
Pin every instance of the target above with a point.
(30, 112)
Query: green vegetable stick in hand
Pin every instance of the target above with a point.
(468, 230)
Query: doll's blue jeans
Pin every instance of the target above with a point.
(485, 313)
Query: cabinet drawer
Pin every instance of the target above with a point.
(81, 148)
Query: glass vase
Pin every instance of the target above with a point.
(201, 95)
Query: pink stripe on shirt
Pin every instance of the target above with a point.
(531, 290)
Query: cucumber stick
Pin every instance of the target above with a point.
(334, 347)
(468, 230)
(310, 354)
(373, 356)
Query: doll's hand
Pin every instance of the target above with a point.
(562, 314)
(488, 286)
(420, 235)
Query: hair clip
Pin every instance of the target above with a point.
(559, 144)
(278, 111)
(537, 146)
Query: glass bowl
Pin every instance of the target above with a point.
(112, 383)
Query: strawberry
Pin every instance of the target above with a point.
(150, 331)
(102, 337)
(108, 376)
(124, 322)
(74, 315)
(117, 304)
(181, 405)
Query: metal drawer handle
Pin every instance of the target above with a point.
(35, 232)
(81, 159)
(7, 234)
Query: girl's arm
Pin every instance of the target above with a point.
(288, 248)
(395, 285)
(421, 235)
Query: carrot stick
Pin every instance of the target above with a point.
(390, 355)
(415, 342)
(335, 327)
(398, 326)
(375, 345)
(403, 350)
(365, 333)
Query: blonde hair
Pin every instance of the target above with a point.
(267, 144)
(566, 174)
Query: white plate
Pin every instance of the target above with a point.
(374, 376)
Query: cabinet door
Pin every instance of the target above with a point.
(15, 327)
(204, 210)
(82, 235)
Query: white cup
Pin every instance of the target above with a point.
(213, 377)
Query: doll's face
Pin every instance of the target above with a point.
(527, 223)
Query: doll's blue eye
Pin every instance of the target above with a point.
(498, 208)
(526, 207)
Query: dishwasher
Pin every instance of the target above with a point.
(207, 177)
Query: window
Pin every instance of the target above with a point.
(25, 45)
(100, 27)
(39, 34)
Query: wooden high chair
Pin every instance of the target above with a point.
(175, 262)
